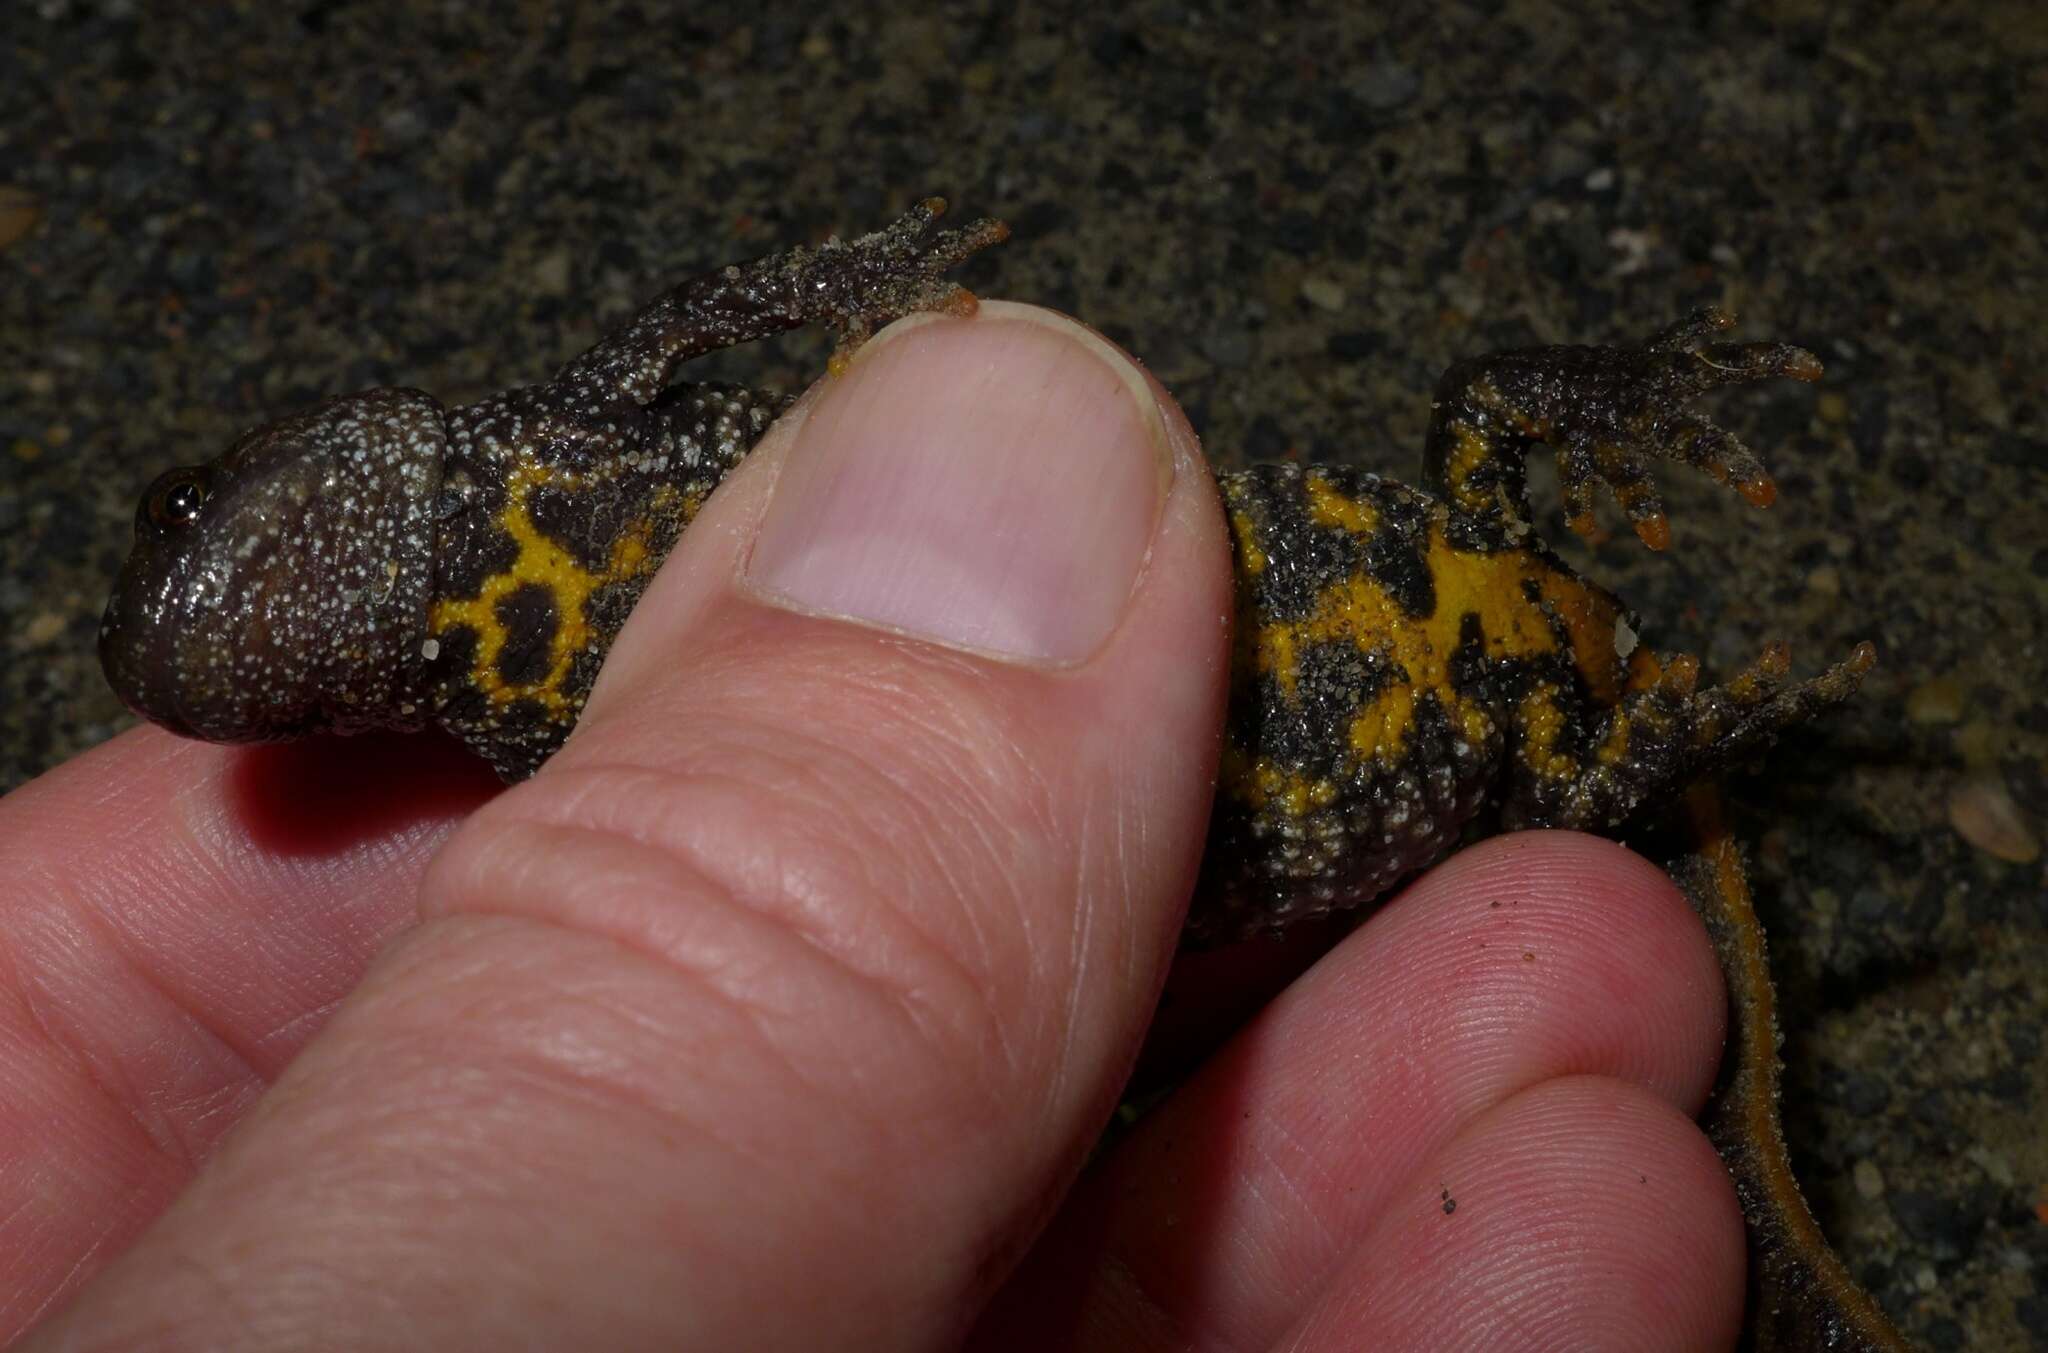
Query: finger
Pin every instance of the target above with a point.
(178, 924)
(1227, 1210)
(824, 944)
(1582, 1213)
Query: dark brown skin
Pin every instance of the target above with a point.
(1409, 664)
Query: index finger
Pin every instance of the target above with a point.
(179, 920)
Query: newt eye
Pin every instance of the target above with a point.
(175, 500)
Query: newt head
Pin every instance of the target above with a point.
(283, 588)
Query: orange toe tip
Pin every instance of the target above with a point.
(1654, 530)
(1759, 492)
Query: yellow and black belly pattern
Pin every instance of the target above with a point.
(1380, 674)
(552, 522)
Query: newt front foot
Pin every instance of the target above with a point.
(1607, 412)
(856, 286)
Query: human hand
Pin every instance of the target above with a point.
(783, 1007)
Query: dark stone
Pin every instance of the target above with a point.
(1935, 1220)
(1357, 346)
(1862, 1095)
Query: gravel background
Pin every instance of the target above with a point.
(210, 215)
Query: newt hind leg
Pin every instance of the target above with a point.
(1663, 735)
(1608, 412)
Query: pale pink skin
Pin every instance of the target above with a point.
(781, 1009)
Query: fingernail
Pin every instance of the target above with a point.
(990, 484)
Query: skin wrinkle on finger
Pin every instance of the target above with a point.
(808, 887)
(467, 1103)
(553, 1058)
(553, 1063)
(187, 857)
(95, 1168)
(1126, 847)
(781, 888)
(234, 1300)
(65, 949)
(1080, 958)
(1292, 1182)
(771, 974)
(825, 904)
(999, 827)
(167, 1057)
(177, 1125)
(919, 799)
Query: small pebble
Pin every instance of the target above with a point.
(20, 209)
(1387, 84)
(1227, 347)
(551, 274)
(1985, 815)
(44, 627)
(1322, 293)
(1939, 701)
(1983, 744)
(1869, 1179)
(1995, 1166)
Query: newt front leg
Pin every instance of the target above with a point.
(1607, 412)
(850, 287)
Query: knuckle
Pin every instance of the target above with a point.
(805, 879)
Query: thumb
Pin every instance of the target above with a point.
(780, 1007)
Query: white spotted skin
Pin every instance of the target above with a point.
(299, 601)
